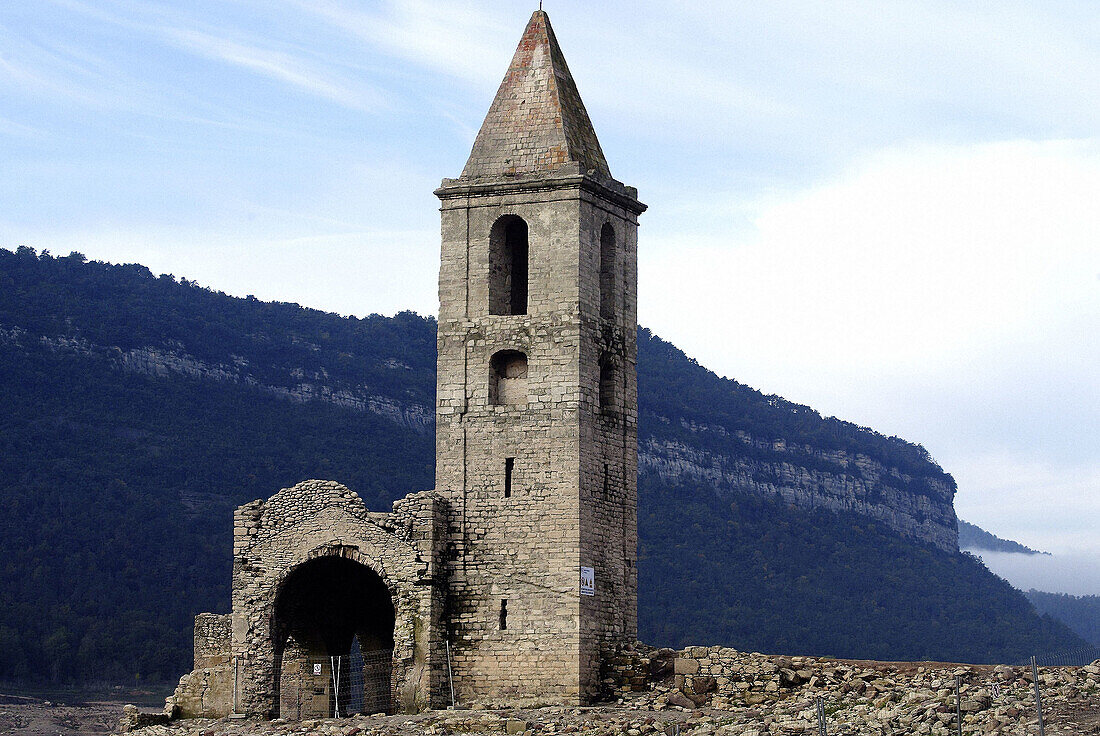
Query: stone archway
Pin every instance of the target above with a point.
(313, 570)
(333, 639)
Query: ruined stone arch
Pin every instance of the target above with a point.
(389, 558)
(338, 604)
(337, 551)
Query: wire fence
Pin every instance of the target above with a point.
(1082, 715)
(1066, 658)
(337, 686)
(1040, 706)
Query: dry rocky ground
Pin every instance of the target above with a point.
(29, 716)
(719, 692)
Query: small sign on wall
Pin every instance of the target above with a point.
(316, 669)
(588, 581)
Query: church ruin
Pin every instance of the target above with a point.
(513, 580)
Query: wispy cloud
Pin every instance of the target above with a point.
(1076, 574)
(460, 40)
(12, 128)
(278, 59)
(285, 67)
(55, 72)
(1043, 504)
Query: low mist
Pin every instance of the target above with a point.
(1073, 573)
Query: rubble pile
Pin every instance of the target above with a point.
(715, 691)
(780, 693)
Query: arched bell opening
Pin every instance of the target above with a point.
(508, 378)
(608, 259)
(333, 640)
(508, 262)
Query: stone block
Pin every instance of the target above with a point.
(685, 666)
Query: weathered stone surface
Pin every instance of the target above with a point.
(680, 700)
(914, 703)
(685, 666)
(206, 692)
(536, 460)
(759, 692)
(536, 429)
(704, 684)
(133, 719)
(537, 122)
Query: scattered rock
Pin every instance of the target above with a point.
(677, 698)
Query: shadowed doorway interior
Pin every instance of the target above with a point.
(333, 630)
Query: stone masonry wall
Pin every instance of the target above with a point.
(517, 617)
(207, 691)
(323, 519)
(519, 553)
(213, 638)
(608, 416)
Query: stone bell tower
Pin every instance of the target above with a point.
(536, 447)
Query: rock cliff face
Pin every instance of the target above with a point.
(296, 384)
(696, 427)
(811, 478)
(677, 443)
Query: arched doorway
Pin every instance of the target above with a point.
(333, 640)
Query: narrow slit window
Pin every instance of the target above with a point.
(503, 614)
(509, 467)
(606, 480)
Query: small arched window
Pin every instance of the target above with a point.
(508, 378)
(607, 272)
(508, 266)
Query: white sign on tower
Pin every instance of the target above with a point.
(588, 581)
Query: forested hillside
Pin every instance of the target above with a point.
(1080, 612)
(974, 537)
(137, 411)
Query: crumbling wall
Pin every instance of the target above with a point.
(212, 640)
(323, 519)
(207, 691)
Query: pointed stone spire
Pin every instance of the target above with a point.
(537, 123)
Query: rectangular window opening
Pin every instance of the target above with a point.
(503, 614)
(509, 466)
(606, 481)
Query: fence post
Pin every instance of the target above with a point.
(1038, 697)
(958, 704)
(821, 727)
(450, 677)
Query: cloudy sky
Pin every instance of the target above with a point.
(886, 210)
